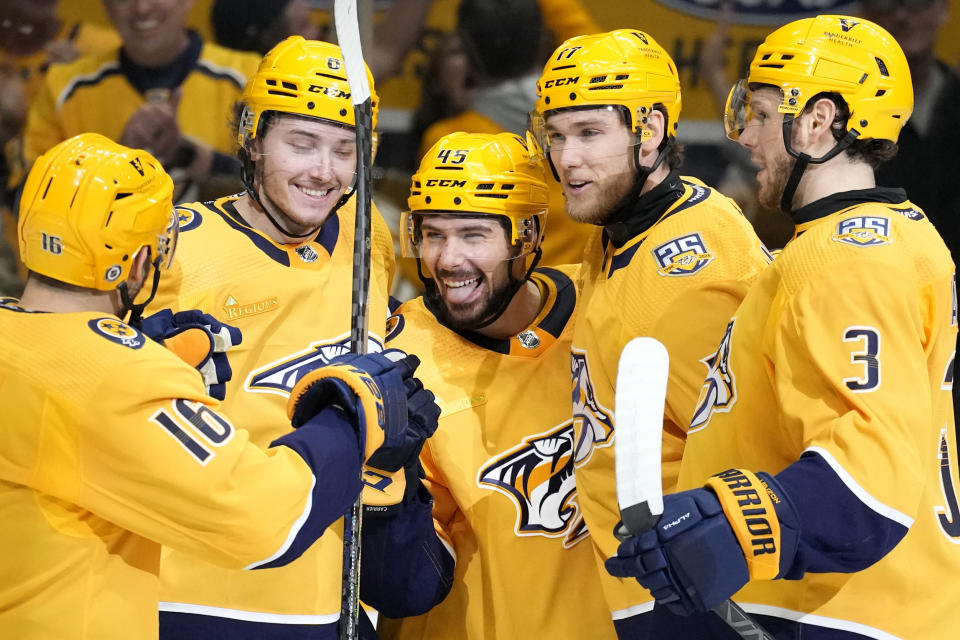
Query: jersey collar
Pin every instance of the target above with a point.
(560, 298)
(838, 201)
(326, 238)
(633, 218)
(169, 76)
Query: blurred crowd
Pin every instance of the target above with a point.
(164, 75)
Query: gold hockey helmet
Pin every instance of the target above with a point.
(88, 205)
(302, 77)
(479, 174)
(625, 68)
(850, 56)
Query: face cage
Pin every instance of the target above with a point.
(522, 231)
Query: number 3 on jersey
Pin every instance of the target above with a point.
(869, 339)
(195, 427)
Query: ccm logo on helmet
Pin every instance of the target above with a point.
(559, 82)
(330, 91)
(445, 182)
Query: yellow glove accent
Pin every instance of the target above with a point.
(382, 489)
(192, 346)
(748, 505)
(366, 390)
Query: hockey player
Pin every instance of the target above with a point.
(669, 257)
(492, 326)
(110, 446)
(277, 262)
(824, 435)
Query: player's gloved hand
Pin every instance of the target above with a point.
(384, 485)
(403, 450)
(710, 542)
(200, 340)
(373, 390)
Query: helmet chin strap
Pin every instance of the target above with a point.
(801, 160)
(126, 300)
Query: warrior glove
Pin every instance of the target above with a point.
(710, 542)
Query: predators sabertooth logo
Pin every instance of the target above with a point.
(593, 424)
(538, 476)
(280, 376)
(719, 390)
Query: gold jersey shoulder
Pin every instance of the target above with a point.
(844, 349)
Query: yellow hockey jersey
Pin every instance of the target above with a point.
(292, 304)
(843, 353)
(501, 473)
(678, 278)
(110, 447)
(95, 93)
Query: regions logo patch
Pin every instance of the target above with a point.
(593, 424)
(864, 231)
(116, 331)
(683, 256)
(188, 218)
(538, 476)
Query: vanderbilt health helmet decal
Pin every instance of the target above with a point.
(683, 256)
(280, 376)
(537, 475)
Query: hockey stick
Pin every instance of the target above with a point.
(348, 36)
(640, 395)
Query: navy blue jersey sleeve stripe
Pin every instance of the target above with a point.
(328, 444)
(840, 533)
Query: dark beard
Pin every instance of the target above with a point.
(488, 310)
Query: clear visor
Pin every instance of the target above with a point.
(737, 114)
(582, 129)
(480, 236)
(167, 242)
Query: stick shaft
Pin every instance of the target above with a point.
(348, 36)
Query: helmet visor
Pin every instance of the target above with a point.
(477, 236)
(737, 114)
